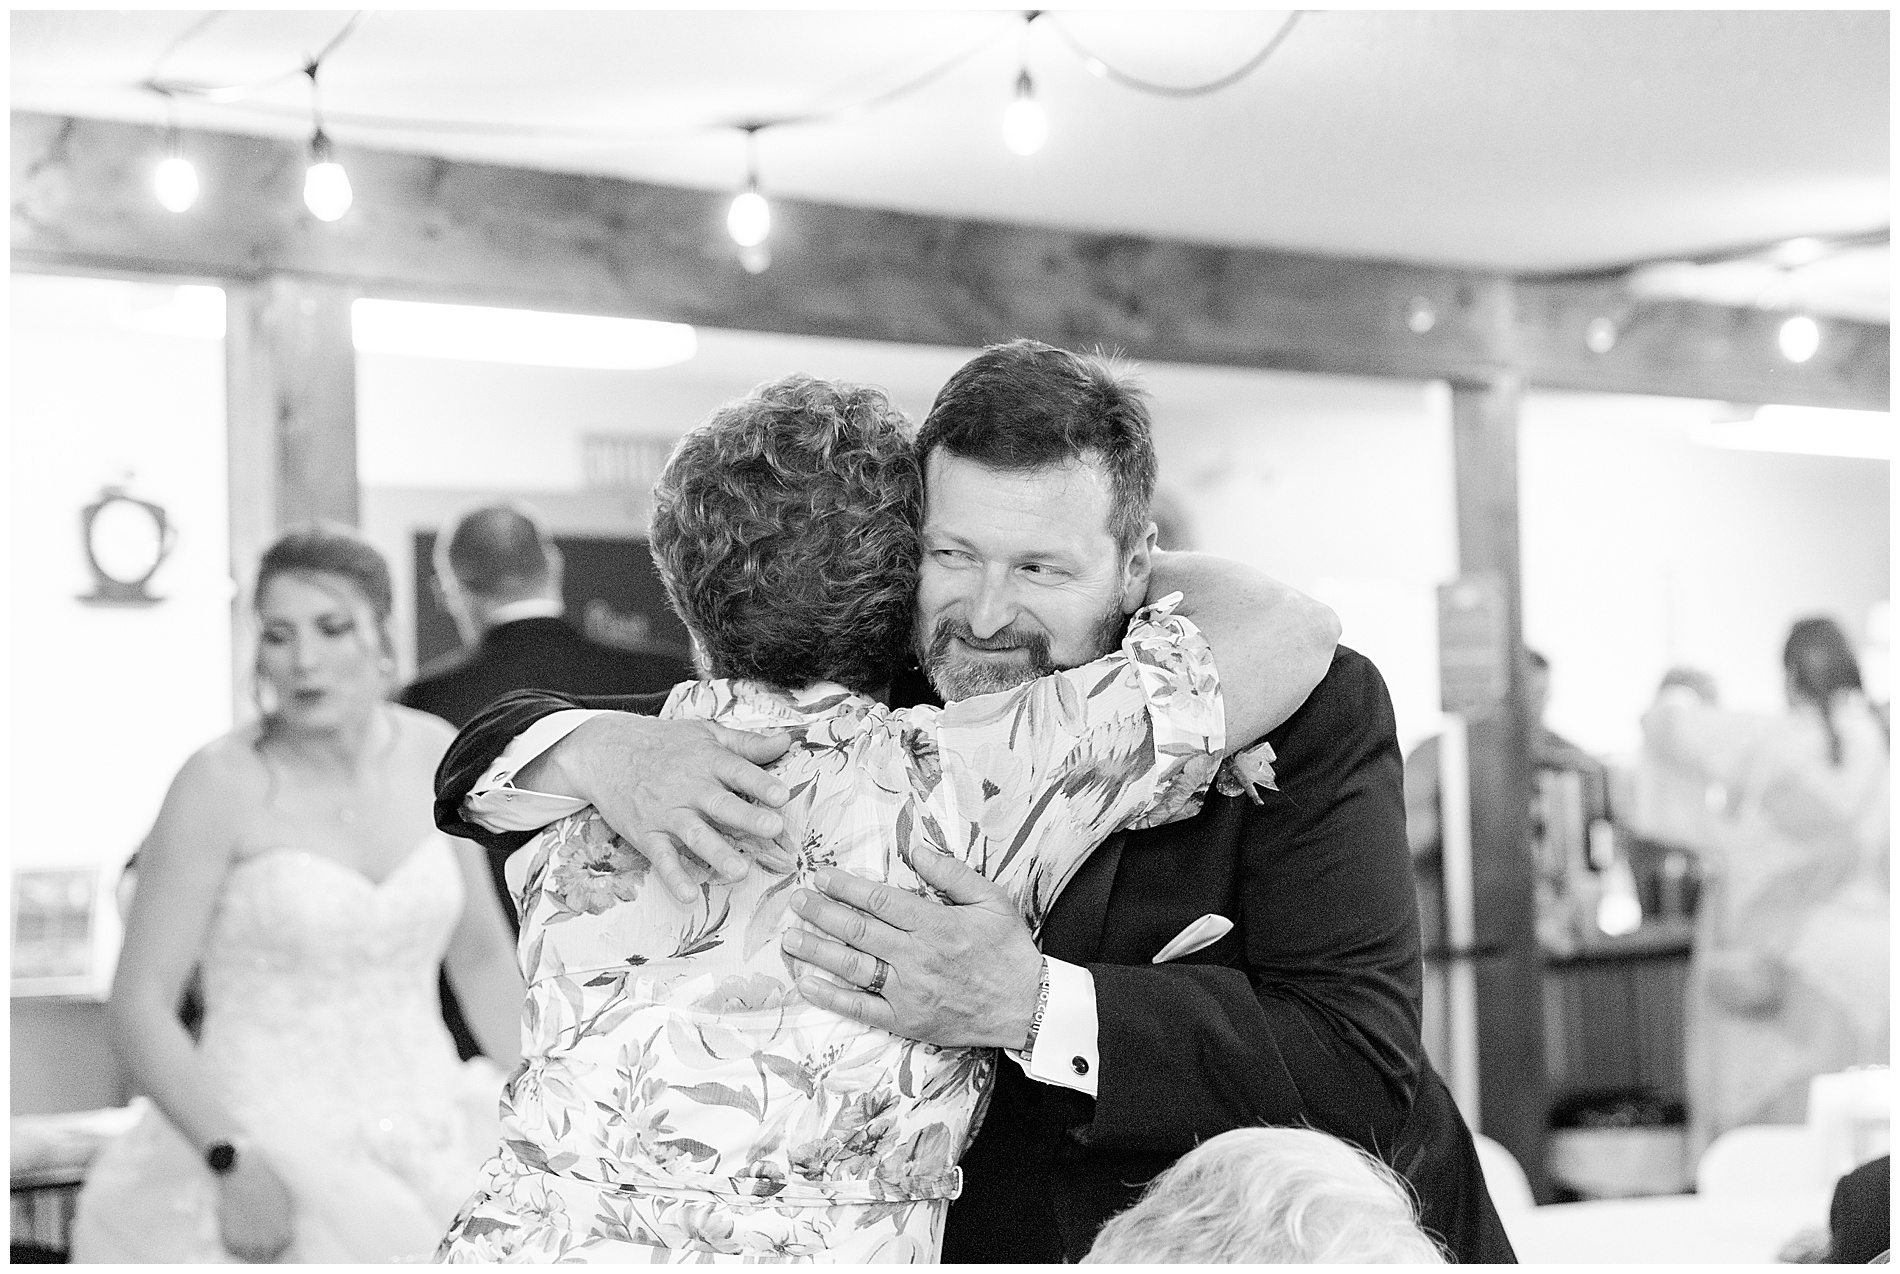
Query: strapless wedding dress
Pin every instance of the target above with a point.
(324, 1035)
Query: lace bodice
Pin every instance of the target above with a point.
(320, 984)
(323, 1036)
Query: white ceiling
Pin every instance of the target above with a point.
(1521, 141)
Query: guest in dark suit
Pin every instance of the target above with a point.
(500, 579)
(1289, 991)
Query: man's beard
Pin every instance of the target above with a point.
(958, 678)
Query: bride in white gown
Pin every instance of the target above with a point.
(323, 1114)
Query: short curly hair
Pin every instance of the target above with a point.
(786, 529)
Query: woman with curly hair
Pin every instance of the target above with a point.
(681, 1099)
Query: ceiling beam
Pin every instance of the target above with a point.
(434, 229)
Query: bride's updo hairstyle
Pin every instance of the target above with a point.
(786, 529)
(324, 553)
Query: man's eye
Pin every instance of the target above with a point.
(337, 628)
(1043, 571)
(950, 557)
(275, 637)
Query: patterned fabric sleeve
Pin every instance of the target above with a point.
(1032, 779)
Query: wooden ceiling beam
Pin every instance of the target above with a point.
(433, 229)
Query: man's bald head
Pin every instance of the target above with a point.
(499, 553)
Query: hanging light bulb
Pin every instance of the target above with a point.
(1799, 338)
(175, 182)
(326, 187)
(1025, 125)
(749, 220)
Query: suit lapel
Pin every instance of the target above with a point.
(1073, 930)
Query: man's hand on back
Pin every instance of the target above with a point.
(663, 785)
(963, 974)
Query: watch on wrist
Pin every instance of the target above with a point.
(221, 1157)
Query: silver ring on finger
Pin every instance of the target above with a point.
(876, 985)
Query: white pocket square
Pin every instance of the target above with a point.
(1204, 932)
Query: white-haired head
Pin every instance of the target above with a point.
(1270, 1195)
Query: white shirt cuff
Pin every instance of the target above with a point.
(495, 804)
(1065, 1053)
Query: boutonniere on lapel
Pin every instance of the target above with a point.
(1248, 771)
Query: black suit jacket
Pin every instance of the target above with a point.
(1306, 1013)
(537, 654)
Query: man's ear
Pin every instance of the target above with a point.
(1135, 568)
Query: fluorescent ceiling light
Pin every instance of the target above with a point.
(1809, 431)
(481, 334)
(193, 311)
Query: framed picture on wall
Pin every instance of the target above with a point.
(65, 931)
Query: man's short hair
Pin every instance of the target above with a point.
(786, 530)
(498, 550)
(1270, 1195)
(1024, 405)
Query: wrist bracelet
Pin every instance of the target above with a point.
(1042, 1004)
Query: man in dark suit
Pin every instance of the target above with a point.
(499, 577)
(1287, 991)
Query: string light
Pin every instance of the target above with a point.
(329, 196)
(1025, 123)
(174, 181)
(749, 219)
(1800, 338)
(326, 187)
(1097, 67)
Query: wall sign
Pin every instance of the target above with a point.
(1473, 674)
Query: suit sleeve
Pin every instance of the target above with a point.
(1319, 1025)
(488, 734)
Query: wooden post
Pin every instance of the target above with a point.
(290, 408)
(1512, 1083)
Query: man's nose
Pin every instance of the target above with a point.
(994, 605)
(304, 653)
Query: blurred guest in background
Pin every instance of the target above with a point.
(500, 579)
(322, 1115)
(1280, 1196)
(1572, 796)
(1789, 977)
(1550, 752)
(1670, 811)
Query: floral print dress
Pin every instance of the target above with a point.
(679, 1100)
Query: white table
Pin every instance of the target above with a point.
(1683, 1229)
